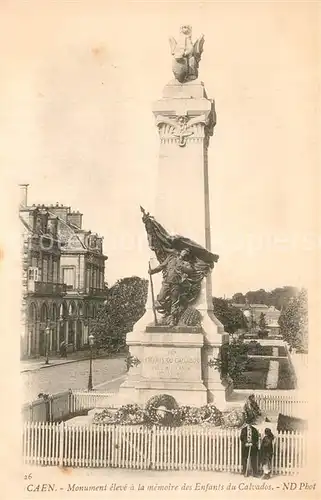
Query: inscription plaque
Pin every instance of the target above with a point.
(171, 363)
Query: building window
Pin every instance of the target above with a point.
(50, 270)
(95, 278)
(88, 276)
(55, 272)
(45, 270)
(69, 277)
(33, 274)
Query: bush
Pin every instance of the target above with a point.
(287, 378)
(254, 347)
(290, 424)
(233, 360)
(262, 334)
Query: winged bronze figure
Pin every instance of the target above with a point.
(186, 55)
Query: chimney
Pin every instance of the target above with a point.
(23, 195)
(75, 218)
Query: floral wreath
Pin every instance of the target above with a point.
(129, 414)
(152, 413)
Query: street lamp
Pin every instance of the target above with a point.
(47, 333)
(91, 339)
(29, 342)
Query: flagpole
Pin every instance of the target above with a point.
(152, 290)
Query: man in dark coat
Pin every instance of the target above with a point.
(249, 441)
(63, 349)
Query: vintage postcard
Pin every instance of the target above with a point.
(160, 249)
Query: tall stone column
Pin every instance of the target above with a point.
(185, 118)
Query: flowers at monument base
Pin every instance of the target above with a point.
(234, 418)
(104, 417)
(129, 414)
(189, 415)
(209, 413)
(161, 410)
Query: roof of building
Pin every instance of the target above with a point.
(252, 306)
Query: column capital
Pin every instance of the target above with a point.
(181, 119)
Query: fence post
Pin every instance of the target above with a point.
(70, 405)
(50, 412)
(61, 444)
(153, 448)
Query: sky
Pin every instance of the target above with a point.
(76, 100)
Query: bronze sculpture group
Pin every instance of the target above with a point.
(183, 264)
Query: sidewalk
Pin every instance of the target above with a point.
(30, 365)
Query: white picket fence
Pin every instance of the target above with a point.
(65, 404)
(37, 411)
(287, 404)
(137, 447)
(84, 400)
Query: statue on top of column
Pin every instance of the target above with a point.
(186, 55)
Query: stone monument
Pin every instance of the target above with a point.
(175, 343)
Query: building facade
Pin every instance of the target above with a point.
(63, 278)
(271, 315)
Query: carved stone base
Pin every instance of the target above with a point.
(173, 361)
(170, 363)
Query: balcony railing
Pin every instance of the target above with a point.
(45, 288)
(95, 292)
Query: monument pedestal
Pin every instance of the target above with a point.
(174, 361)
(169, 361)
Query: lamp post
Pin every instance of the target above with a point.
(91, 339)
(47, 333)
(29, 342)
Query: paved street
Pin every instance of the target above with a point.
(71, 376)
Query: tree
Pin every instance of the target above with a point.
(293, 321)
(238, 298)
(231, 317)
(262, 326)
(124, 306)
(257, 296)
(279, 297)
(233, 360)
